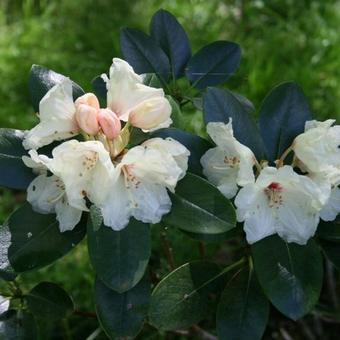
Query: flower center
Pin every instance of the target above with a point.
(274, 194)
(231, 161)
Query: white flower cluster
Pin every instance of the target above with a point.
(121, 182)
(279, 200)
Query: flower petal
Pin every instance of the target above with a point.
(57, 117)
(125, 89)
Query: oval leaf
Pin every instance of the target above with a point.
(290, 275)
(196, 145)
(6, 270)
(122, 315)
(198, 206)
(329, 230)
(182, 298)
(170, 35)
(331, 249)
(36, 240)
(42, 79)
(143, 53)
(283, 115)
(18, 325)
(14, 173)
(213, 64)
(243, 310)
(49, 301)
(119, 257)
(221, 105)
(99, 87)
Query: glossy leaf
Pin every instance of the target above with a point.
(18, 325)
(41, 80)
(198, 206)
(331, 249)
(14, 173)
(329, 230)
(290, 275)
(122, 315)
(4, 304)
(49, 301)
(36, 240)
(170, 35)
(283, 115)
(215, 238)
(221, 105)
(99, 87)
(181, 299)
(243, 310)
(196, 145)
(143, 53)
(6, 270)
(120, 257)
(213, 64)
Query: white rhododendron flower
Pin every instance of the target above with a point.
(143, 106)
(329, 184)
(230, 163)
(57, 117)
(318, 147)
(141, 179)
(282, 202)
(47, 194)
(85, 168)
(332, 207)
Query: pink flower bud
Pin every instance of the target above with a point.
(109, 122)
(88, 99)
(86, 117)
(151, 114)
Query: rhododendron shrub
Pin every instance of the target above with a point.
(116, 166)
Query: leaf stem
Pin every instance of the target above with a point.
(168, 250)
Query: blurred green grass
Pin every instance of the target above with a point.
(280, 39)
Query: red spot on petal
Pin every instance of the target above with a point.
(274, 186)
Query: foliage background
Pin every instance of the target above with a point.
(280, 39)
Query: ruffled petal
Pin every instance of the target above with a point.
(125, 89)
(57, 117)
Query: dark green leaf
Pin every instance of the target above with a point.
(196, 145)
(143, 53)
(215, 238)
(198, 206)
(99, 87)
(49, 301)
(221, 105)
(18, 325)
(41, 80)
(4, 305)
(182, 298)
(282, 117)
(36, 240)
(6, 271)
(170, 35)
(120, 257)
(213, 64)
(290, 275)
(243, 311)
(122, 315)
(329, 230)
(332, 251)
(151, 79)
(14, 173)
(96, 217)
